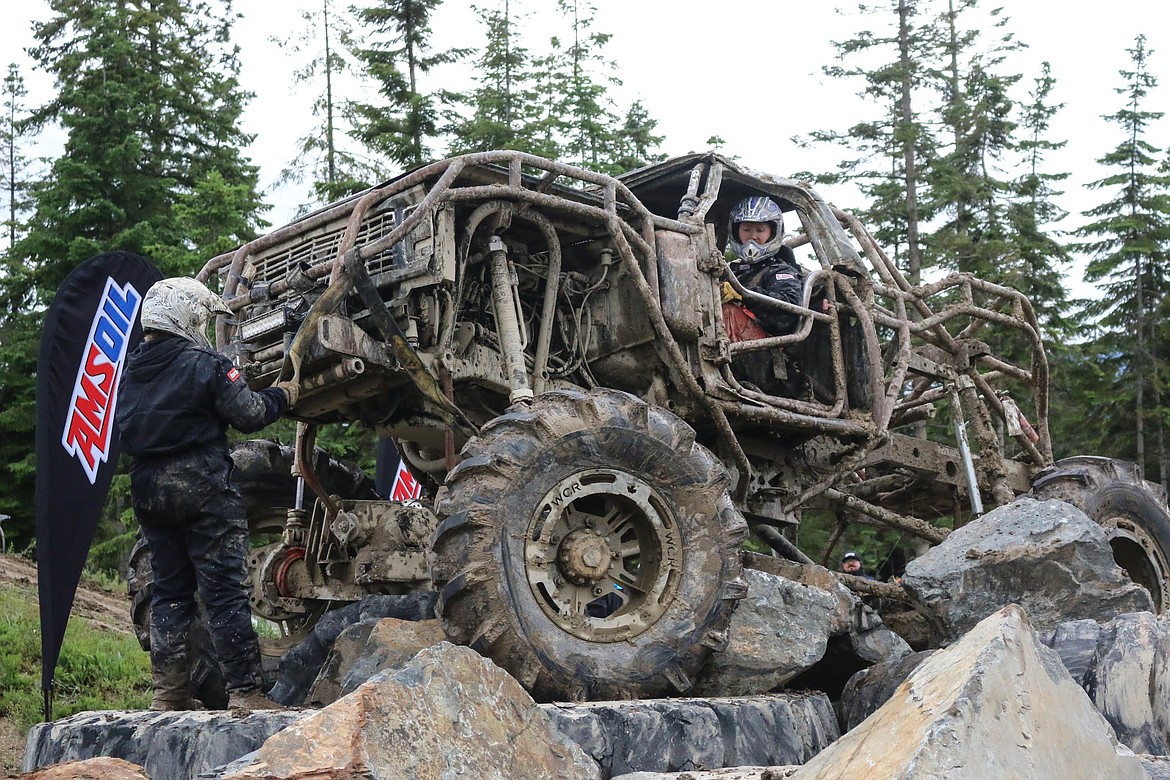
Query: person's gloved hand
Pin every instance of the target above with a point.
(728, 294)
(292, 391)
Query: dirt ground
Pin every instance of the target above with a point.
(104, 609)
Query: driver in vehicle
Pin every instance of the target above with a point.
(763, 263)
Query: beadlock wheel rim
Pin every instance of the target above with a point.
(584, 518)
(1139, 554)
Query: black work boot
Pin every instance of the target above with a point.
(172, 685)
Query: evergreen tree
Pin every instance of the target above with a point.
(1127, 240)
(1039, 261)
(504, 104)
(149, 98)
(968, 186)
(888, 151)
(323, 158)
(404, 125)
(19, 340)
(590, 124)
(14, 176)
(636, 140)
(19, 333)
(547, 132)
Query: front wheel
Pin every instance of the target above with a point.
(587, 545)
(1132, 511)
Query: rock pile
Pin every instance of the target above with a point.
(1046, 556)
(1079, 690)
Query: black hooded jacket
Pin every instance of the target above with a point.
(778, 277)
(178, 397)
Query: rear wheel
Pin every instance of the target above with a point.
(588, 546)
(1132, 511)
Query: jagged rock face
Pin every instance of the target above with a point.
(1129, 680)
(1123, 665)
(815, 576)
(366, 648)
(448, 712)
(734, 773)
(102, 768)
(870, 688)
(1157, 767)
(778, 630)
(1076, 644)
(996, 704)
(670, 735)
(1046, 556)
(856, 635)
(300, 666)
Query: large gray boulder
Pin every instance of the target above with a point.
(90, 769)
(1157, 767)
(1129, 680)
(732, 773)
(656, 734)
(448, 712)
(779, 629)
(856, 635)
(366, 648)
(869, 689)
(172, 745)
(1076, 644)
(998, 703)
(1046, 556)
(1123, 665)
(301, 665)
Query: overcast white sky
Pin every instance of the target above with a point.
(749, 72)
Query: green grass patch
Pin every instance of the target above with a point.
(98, 670)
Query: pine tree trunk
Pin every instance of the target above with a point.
(913, 251)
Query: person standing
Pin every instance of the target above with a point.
(178, 398)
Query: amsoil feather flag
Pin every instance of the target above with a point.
(90, 328)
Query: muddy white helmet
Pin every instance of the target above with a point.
(182, 307)
(757, 208)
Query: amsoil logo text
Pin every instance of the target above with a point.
(95, 392)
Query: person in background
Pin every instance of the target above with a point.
(851, 564)
(177, 399)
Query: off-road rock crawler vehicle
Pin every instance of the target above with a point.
(547, 347)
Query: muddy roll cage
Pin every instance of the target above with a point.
(914, 347)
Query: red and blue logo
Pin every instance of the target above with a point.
(90, 419)
(406, 486)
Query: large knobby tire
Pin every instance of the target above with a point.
(1132, 511)
(588, 546)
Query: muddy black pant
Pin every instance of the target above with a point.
(194, 521)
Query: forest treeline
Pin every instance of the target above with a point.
(949, 155)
